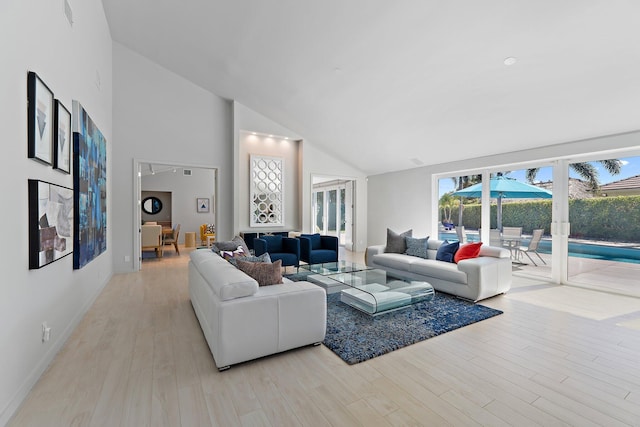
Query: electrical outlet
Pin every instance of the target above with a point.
(46, 332)
(127, 258)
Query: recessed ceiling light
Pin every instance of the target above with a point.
(510, 60)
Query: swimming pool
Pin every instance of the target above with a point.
(580, 250)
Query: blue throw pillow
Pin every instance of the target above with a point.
(416, 247)
(447, 251)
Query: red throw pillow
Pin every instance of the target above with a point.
(470, 250)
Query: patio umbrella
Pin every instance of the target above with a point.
(502, 187)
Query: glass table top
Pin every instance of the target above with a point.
(375, 291)
(334, 267)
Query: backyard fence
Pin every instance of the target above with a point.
(598, 218)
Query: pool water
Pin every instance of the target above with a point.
(580, 250)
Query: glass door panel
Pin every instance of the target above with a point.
(319, 211)
(332, 212)
(604, 218)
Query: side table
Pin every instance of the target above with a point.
(190, 239)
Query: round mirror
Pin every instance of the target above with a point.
(151, 205)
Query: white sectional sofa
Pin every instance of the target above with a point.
(473, 279)
(243, 321)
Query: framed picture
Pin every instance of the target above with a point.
(50, 223)
(203, 204)
(39, 119)
(62, 138)
(90, 188)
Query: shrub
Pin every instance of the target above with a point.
(599, 218)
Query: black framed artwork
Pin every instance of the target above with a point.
(40, 118)
(50, 223)
(62, 138)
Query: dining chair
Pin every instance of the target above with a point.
(172, 238)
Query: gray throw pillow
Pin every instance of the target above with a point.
(230, 245)
(240, 241)
(262, 258)
(224, 246)
(395, 241)
(416, 247)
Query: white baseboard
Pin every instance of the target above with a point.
(46, 360)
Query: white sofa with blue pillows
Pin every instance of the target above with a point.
(473, 279)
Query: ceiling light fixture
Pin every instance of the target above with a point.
(510, 61)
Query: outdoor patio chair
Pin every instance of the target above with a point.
(511, 237)
(494, 237)
(533, 246)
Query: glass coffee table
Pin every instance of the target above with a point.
(375, 291)
(321, 273)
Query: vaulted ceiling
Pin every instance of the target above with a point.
(391, 85)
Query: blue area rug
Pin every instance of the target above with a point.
(356, 336)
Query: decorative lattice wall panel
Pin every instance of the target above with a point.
(267, 191)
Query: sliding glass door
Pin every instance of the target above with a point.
(604, 217)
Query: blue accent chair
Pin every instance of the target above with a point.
(317, 249)
(286, 249)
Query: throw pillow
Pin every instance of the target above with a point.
(265, 274)
(395, 241)
(239, 252)
(447, 251)
(250, 258)
(470, 250)
(240, 242)
(416, 247)
(224, 246)
(210, 229)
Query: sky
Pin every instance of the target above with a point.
(630, 167)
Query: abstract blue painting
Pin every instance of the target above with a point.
(89, 189)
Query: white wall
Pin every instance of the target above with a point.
(406, 199)
(399, 201)
(159, 117)
(312, 161)
(184, 192)
(35, 36)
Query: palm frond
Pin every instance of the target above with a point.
(613, 166)
(588, 172)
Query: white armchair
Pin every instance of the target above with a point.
(151, 237)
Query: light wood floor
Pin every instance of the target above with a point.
(557, 356)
